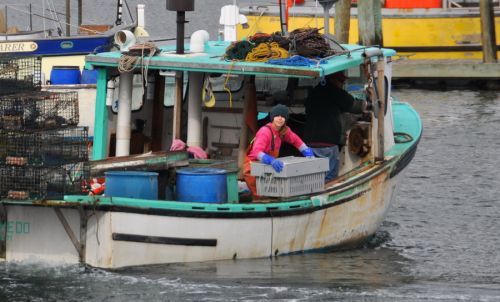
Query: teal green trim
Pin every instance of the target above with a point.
(406, 120)
(101, 117)
(232, 186)
(181, 206)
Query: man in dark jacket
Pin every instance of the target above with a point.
(323, 131)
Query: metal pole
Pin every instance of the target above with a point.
(283, 15)
(68, 17)
(31, 19)
(181, 19)
(124, 114)
(381, 109)
(80, 12)
(194, 131)
(488, 37)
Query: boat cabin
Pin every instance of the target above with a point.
(215, 110)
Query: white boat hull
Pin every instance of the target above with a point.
(118, 239)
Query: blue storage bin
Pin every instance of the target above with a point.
(132, 184)
(201, 185)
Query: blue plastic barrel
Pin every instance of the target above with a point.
(201, 185)
(63, 75)
(132, 184)
(89, 76)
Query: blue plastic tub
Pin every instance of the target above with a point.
(132, 184)
(201, 185)
(65, 75)
(89, 76)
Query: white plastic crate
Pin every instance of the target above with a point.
(300, 176)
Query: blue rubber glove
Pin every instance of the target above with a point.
(308, 152)
(275, 163)
(267, 159)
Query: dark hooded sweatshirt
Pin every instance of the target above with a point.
(324, 106)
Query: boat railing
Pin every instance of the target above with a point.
(24, 14)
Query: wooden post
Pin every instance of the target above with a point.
(100, 145)
(370, 22)
(157, 124)
(379, 157)
(488, 37)
(342, 20)
(249, 94)
(3, 233)
(68, 18)
(3, 21)
(179, 82)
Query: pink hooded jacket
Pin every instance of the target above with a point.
(262, 141)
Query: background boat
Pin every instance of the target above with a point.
(57, 42)
(430, 29)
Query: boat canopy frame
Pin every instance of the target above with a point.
(212, 61)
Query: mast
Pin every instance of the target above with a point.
(283, 16)
(179, 6)
(327, 4)
(80, 11)
(119, 12)
(68, 18)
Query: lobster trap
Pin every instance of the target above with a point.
(38, 110)
(19, 73)
(36, 183)
(44, 148)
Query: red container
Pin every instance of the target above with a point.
(413, 3)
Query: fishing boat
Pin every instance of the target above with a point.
(417, 30)
(145, 217)
(55, 46)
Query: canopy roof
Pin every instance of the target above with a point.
(212, 61)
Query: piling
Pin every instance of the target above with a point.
(342, 20)
(370, 22)
(488, 37)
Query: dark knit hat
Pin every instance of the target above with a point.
(279, 109)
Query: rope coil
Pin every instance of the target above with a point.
(265, 51)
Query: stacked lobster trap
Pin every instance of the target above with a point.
(43, 153)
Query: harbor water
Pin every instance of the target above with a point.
(439, 241)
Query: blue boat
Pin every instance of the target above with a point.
(54, 43)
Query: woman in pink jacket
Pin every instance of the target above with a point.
(267, 142)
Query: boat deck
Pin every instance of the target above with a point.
(407, 124)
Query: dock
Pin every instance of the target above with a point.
(446, 69)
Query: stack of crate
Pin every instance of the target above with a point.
(43, 153)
